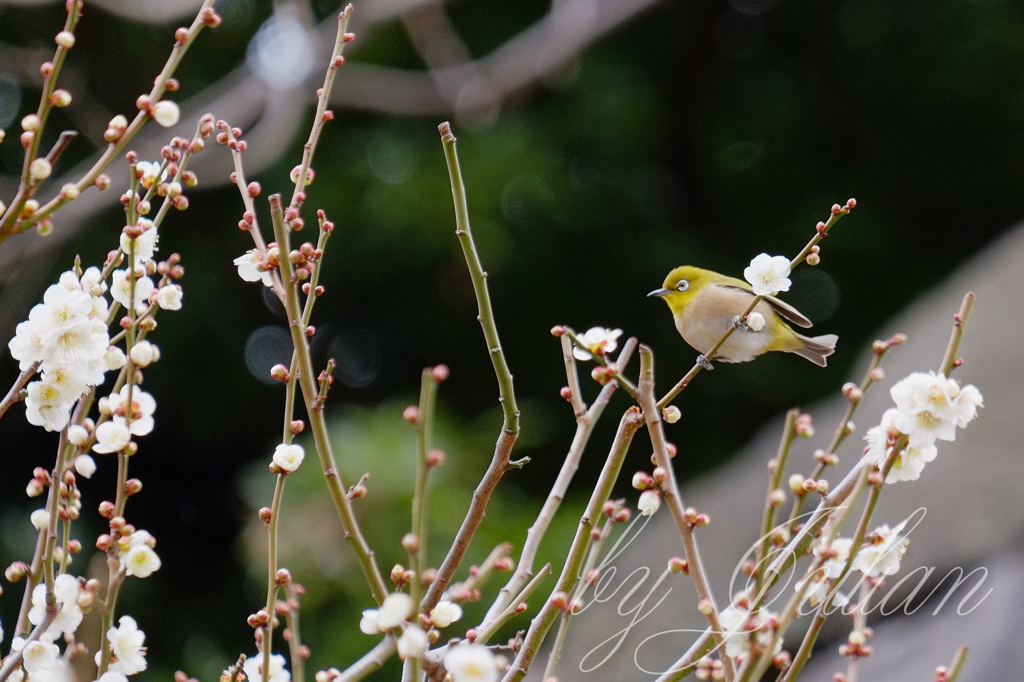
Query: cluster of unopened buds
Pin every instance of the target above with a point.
(232, 137)
(616, 511)
(880, 347)
(672, 451)
(800, 485)
(709, 668)
(695, 519)
(813, 256)
(304, 259)
(804, 426)
(837, 210)
(856, 645)
(401, 576)
(826, 458)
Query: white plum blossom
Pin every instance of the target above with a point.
(46, 405)
(768, 275)
(65, 336)
(445, 613)
(738, 623)
(838, 555)
(69, 615)
(253, 668)
(967, 404)
(92, 282)
(137, 555)
(38, 656)
(142, 407)
(755, 321)
(144, 354)
(169, 297)
(40, 519)
(413, 643)
(114, 358)
(250, 268)
(112, 436)
(650, 501)
(909, 465)
(929, 407)
(882, 553)
(150, 173)
(817, 591)
(471, 663)
(120, 287)
(396, 608)
(289, 456)
(880, 438)
(85, 466)
(144, 245)
(369, 624)
(597, 341)
(126, 645)
(78, 435)
(165, 113)
(141, 561)
(27, 345)
(926, 407)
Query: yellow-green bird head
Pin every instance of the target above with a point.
(682, 284)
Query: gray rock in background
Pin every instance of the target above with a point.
(972, 493)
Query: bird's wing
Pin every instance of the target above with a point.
(781, 307)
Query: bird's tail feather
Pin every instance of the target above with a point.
(817, 348)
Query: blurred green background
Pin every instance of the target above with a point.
(699, 133)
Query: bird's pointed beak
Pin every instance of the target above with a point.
(659, 293)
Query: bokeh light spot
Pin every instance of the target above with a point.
(391, 159)
(357, 355)
(282, 52)
(10, 98)
(266, 347)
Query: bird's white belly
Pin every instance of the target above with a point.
(741, 346)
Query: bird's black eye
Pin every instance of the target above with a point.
(683, 285)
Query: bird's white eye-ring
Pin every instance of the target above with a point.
(683, 285)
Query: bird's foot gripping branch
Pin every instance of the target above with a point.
(418, 611)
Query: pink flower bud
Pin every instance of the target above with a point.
(411, 542)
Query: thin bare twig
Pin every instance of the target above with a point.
(308, 386)
(500, 460)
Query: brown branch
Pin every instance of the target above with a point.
(673, 500)
(14, 395)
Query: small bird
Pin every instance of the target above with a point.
(705, 304)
